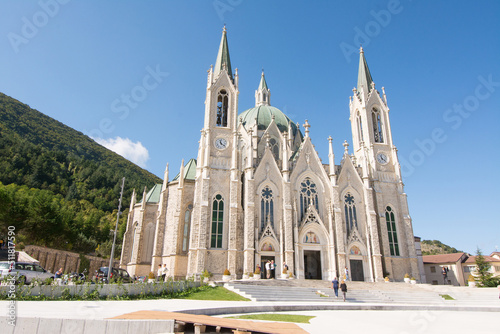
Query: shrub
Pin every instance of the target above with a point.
(407, 275)
(151, 275)
(227, 272)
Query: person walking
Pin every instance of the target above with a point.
(335, 286)
(346, 274)
(268, 269)
(343, 288)
(444, 271)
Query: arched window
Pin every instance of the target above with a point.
(275, 148)
(360, 128)
(391, 230)
(308, 195)
(377, 126)
(217, 222)
(266, 208)
(187, 226)
(222, 107)
(350, 212)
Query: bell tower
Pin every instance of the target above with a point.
(370, 125)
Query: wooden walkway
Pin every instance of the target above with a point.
(220, 325)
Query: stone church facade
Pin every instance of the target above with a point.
(259, 191)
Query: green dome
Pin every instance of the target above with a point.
(263, 116)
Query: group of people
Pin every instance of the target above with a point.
(270, 269)
(343, 287)
(161, 274)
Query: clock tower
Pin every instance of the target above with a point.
(217, 178)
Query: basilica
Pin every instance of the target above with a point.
(258, 191)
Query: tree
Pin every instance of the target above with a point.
(482, 269)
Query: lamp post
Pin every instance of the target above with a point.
(110, 267)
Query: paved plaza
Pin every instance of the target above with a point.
(472, 311)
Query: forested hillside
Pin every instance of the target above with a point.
(433, 247)
(57, 186)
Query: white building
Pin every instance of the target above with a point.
(258, 191)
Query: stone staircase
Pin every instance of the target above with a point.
(321, 291)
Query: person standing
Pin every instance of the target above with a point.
(346, 274)
(343, 288)
(159, 273)
(273, 271)
(164, 273)
(268, 269)
(335, 286)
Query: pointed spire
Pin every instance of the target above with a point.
(223, 61)
(181, 175)
(364, 77)
(133, 200)
(165, 179)
(263, 83)
(262, 94)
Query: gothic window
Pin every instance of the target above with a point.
(350, 212)
(217, 222)
(391, 230)
(275, 148)
(222, 109)
(377, 126)
(148, 242)
(187, 223)
(308, 195)
(134, 232)
(360, 128)
(266, 208)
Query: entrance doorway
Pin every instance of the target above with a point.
(312, 264)
(263, 261)
(357, 270)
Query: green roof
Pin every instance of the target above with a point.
(223, 57)
(263, 116)
(364, 76)
(189, 171)
(153, 195)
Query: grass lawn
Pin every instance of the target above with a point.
(447, 297)
(214, 293)
(304, 319)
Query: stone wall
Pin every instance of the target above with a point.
(53, 259)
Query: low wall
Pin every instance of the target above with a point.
(53, 259)
(86, 326)
(104, 290)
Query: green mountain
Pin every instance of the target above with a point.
(58, 187)
(433, 247)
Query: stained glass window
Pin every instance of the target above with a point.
(266, 208)
(391, 230)
(350, 212)
(187, 223)
(217, 222)
(308, 195)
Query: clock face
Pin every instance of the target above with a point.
(220, 143)
(382, 158)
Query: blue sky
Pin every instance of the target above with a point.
(77, 61)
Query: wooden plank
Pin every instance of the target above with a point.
(251, 326)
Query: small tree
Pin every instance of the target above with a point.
(482, 269)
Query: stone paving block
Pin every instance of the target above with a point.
(138, 326)
(26, 326)
(4, 325)
(116, 326)
(161, 326)
(94, 326)
(49, 325)
(73, 326)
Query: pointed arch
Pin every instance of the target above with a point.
(350, 213)
(186, 228)
(148, 242)
(217, 225)
(378, 131)
(134, 232)
(359, 124)
(308, 195)
(266, 207)
(390, 219)
(222, 108)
